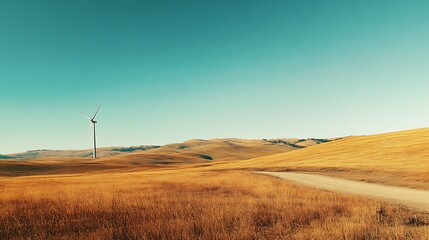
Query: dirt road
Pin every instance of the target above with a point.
(409, 197)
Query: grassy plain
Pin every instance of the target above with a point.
(193, 204)
(206, 190)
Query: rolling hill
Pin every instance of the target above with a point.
(401, 156)
(195, 151)
(219, 149)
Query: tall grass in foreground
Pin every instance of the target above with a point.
(193, 205)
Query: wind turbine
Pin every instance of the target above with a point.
(93, 122)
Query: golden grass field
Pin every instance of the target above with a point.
(186, 204)
(176, 192)
(399, 158)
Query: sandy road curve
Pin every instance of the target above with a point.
(409, 197)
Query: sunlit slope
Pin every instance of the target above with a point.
(405, 151)
(217, 149)
(168, 156)
(226, 149)
(180, 155)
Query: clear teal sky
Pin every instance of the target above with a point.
(168, 71)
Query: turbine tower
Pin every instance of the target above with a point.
(93, 122)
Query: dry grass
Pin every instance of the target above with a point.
(183, 201)
(193, 205)
(399, 158)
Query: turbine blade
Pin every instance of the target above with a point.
(96, 112)
(85, 115)
(90, 130)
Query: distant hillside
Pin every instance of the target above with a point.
(101, 152)
(195, 151)
(300, 142)
(219, 149)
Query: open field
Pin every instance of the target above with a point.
(186, 204)
(399, 158)
(206, 190)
